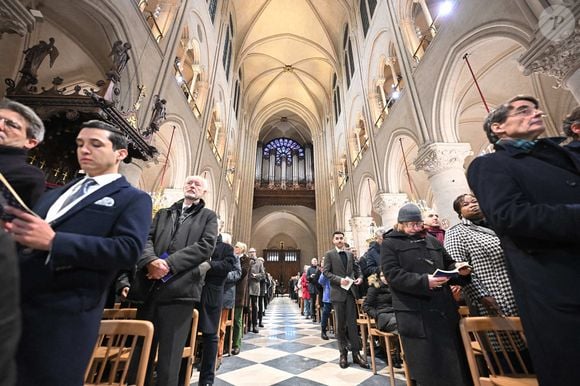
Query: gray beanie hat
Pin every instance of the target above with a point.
(409, 212)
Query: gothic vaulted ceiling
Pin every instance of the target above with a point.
(288, 51)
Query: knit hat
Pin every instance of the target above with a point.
(409, 212)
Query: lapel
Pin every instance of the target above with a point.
(105, 191)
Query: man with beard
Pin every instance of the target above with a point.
(170, 276)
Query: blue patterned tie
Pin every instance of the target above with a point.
(80, 192)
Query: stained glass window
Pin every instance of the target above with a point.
(283, 147)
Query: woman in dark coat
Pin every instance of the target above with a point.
(222, 261)
(427, 317)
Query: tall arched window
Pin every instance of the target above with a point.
(227, 55)
(336, 97)
(348, 58)
(367, 9)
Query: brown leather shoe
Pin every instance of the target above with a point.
(356, 358)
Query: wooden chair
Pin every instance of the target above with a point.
(189, 350)
(388, 338)
(114, 349)
(500, 341)
(230, 329)
(119, 313)
(362, 322)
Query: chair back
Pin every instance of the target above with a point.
(189, 349)
(502, 345)
(109, 364)
(119, 313)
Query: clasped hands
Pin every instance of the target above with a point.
(157, 269)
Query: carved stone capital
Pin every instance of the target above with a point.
(360, 223)
(437, 157)
(15, 18)
(555, 49)
(387, 202)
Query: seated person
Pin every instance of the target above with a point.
(378, 304)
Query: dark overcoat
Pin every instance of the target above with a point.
(532, 201)
(242, 293)
(189, 244)
(427, 319)
(210, 307)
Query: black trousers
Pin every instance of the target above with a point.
(208, 358)
(254, 306)
(346, 329)
(172, 323)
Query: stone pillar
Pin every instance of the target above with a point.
(391, 63)
(443, 163)
(196, 69)
(555, 49)
(381, 85)
(361, 232)
(388, 205)
(132, 171)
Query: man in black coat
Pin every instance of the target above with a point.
(20, 129)
(571, 127)
(529, 191)
(222, 261)
(170, 276)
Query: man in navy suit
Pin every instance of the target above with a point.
(84, 234)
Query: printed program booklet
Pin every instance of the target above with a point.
(452, 273)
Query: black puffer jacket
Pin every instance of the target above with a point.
(189, 244)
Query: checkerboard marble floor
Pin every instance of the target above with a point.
(289, 351)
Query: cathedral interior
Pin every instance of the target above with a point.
(305, 116)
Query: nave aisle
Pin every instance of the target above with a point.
(288, 351)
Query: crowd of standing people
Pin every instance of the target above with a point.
(516, 252)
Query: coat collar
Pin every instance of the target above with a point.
(515, 151)
(477, 228)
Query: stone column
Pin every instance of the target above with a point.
(391, 63)
(388, 205)
(555, 49)
(360, 230)
(196, 69)
(132, 171)
(443, 163)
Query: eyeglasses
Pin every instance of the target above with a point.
(524, 111)
(417, 224)
(9, 123)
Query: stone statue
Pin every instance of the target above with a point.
(34, 56)
(159, 115)
(120, 54)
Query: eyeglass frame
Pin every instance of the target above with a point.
(414, 224)
(9, 123)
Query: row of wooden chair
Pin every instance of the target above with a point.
(118, 336)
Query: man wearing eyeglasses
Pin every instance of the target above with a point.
(529, 190)
(20, 130)
(571, 127)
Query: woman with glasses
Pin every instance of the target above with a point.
(427, 317)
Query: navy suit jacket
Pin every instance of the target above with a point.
(63, 300)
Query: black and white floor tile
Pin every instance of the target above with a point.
(289, 351)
